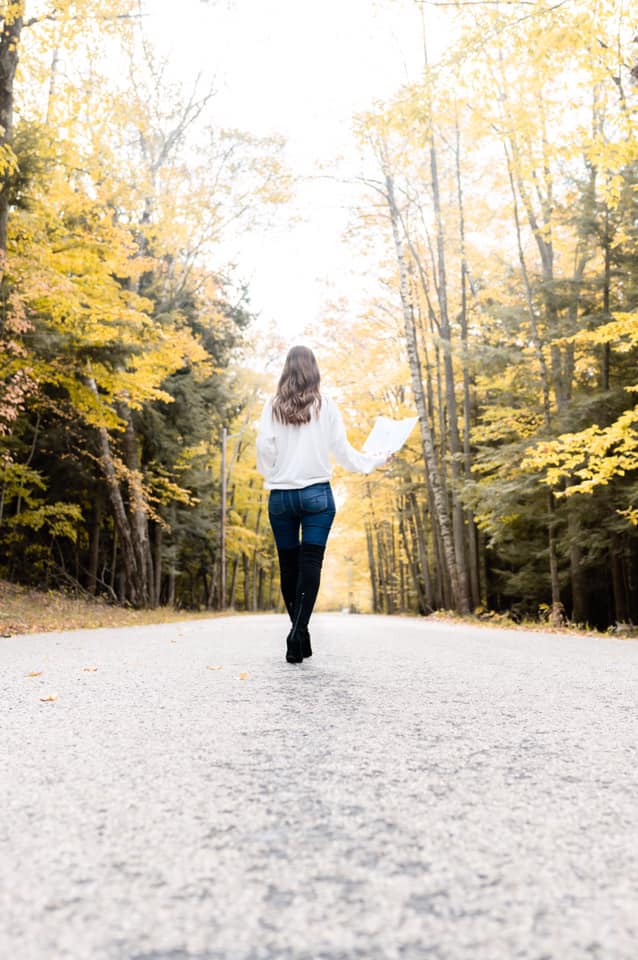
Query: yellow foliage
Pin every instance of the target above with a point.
(622, 331)
(589, 458)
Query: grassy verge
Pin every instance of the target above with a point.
(505, 622)
(24, 610)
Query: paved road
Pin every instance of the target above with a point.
(416, 790)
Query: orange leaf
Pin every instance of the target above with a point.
(244, 676)
(90, 669)
(34, 673)
(50, 698)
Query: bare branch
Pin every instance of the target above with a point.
(53, 18)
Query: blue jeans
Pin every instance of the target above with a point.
(311, 508)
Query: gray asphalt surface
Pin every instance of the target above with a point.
(415, 790)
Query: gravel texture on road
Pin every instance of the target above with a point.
(415, 790)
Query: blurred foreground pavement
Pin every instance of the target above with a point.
(415, 790)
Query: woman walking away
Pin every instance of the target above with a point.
(299, 428)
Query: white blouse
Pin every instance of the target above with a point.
(291, 456)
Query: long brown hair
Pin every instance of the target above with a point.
(298, 389)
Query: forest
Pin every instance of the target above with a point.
(497, 210)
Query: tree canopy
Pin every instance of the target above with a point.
(497, 215)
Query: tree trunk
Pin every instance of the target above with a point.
(606, 348)
(94, 548)
(429, 456)
(483, 570)
(275, 592)
(138, 509)
(373, 568)
(114, 561)
(473, 561)
(157, 564)
(579, 591)
(621, 608)
(413, 567)
(268, 589)
(233, 584)
(394, 585)
(132, 589)
(260, 591)
(212, 600)
(450, 387)
(381, 570)
(557, 617)
(246, 569)
(419, 534)
(13, 22)
(429, 378)
(172, 558)
(442, 593)
(443, 427)
(256, 570)
(544, 378)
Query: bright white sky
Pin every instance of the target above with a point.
(299, 68)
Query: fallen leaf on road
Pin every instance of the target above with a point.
(214, 668)
(35, 673)
(89, 669)
(244, 676)
(50, 698)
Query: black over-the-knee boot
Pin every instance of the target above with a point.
(310, 561)
(288, 577)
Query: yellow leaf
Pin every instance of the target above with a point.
(214, 668)
(244, 676)
(35, 673)
(50, 698)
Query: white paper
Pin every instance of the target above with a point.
(389, 435)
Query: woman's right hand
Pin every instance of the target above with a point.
(388, 456)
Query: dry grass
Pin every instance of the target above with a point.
(490, 618)
(24, 610)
